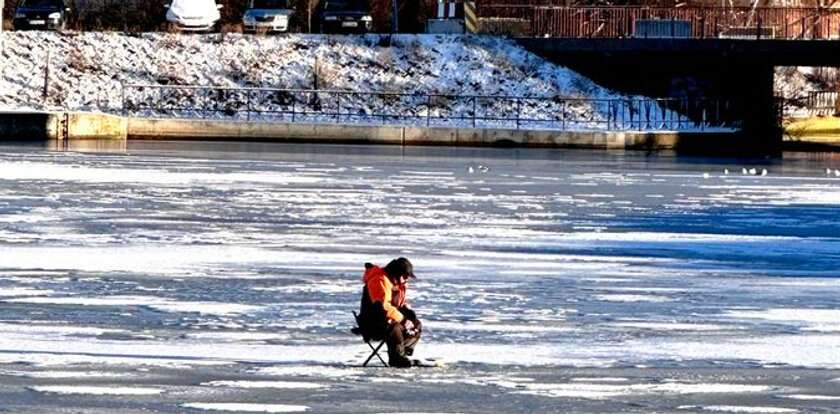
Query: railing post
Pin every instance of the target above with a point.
(803, 28)
(248, 105)
(428, 109)
(474, 114)
(518, 111)
(563, 114)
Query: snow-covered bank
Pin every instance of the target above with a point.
(88, 70)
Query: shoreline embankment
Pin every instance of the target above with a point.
(79, 126)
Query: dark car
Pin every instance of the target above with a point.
(41, 15)
(345, 16)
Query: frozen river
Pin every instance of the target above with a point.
(200, 278)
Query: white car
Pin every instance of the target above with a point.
(193, 15)
(267, 15)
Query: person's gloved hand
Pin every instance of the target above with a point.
(409, 327)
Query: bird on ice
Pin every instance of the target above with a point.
(763, 172)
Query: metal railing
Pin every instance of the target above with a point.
(470, 111)
(810, 104)
(546, 19)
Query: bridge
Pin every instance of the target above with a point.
(720, 52)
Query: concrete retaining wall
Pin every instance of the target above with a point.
(397, 135)
(86, 126)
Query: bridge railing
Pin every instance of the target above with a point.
(546, 19)
(439, 110)
(811, 104)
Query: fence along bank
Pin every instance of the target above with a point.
(261, 114)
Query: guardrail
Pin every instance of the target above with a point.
(546, 19)
(810, 104)
(469, 111)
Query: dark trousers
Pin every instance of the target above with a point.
(401, 344)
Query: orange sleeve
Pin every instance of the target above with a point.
(380, 291)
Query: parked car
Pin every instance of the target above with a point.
(345, 16)
(267, 15)
(41, 15)
(193, 15)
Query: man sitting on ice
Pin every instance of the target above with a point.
(384, 312)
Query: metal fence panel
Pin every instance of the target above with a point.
(464, 111)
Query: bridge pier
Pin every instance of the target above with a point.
(740, 71)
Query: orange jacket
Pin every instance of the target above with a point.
(382, 290)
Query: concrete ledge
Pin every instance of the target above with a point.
(179, 129)
(169, 129)
(83, 126)
(86, 126)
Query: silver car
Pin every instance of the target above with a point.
(267, 16)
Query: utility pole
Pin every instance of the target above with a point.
(1, 25)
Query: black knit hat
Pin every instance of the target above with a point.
(399, 267)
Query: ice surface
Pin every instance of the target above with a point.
(247, 286)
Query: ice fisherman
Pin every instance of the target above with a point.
(384, 312)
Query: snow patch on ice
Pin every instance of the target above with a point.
(265, 384)
(811, 397)
(603, 391)
(669, 326)
(66, 389)
(162, 304)
(633, 298)
(236, 336)
(740, 409)
(603, 379)
(311, 371)
(17, 171)
(33, 328)
(248, 408)
(487, 327)
(821, 320)
(24, 291)
(74, 374)
(52, 359)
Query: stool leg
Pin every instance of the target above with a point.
(375, 352)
